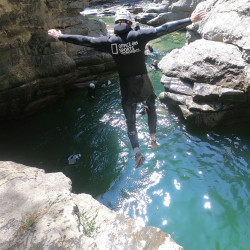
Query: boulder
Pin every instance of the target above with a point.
(208, 80)
(39, 211)
(210, 62)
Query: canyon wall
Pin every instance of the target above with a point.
(35, 69)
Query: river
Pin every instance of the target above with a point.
(195, 186)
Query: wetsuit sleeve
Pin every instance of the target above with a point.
(99, 43)
(152, 33)
(172, 26)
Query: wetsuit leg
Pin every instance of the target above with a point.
(130, 114)
(152, 117)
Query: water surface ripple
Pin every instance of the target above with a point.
(195, 186)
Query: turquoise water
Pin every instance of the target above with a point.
(195, 186)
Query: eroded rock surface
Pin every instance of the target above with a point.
(38, 211)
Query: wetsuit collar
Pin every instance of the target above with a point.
(122, 28)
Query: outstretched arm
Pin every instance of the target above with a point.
(176, 25)
(75, 39)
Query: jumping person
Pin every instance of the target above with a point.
(127, 48)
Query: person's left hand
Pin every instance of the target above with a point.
(54, 33)
(198, 15)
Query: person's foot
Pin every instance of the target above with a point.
(153, 144)
(139, 159)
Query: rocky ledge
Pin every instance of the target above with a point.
(209, 79)
(39, 211)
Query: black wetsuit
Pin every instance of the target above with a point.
(127, 48)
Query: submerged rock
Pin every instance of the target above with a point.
(38, 211)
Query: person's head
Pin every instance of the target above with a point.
(123, 16)
(155, 62)
(137, 24)
(92, 85)
(148, 45)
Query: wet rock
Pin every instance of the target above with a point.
(39, 211)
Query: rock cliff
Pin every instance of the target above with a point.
(38, 211)
(209, 79)
(34, 68)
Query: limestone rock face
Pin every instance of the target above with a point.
(216, 68)
(38, 211)
(34, 68)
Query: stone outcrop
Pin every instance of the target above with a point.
(209, 79)
(34, 68)
(38, 211)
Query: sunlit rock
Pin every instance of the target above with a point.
(216, 67)
(38, 211)
(227, 22)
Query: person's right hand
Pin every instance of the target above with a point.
(198, 15)
(54, 33)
